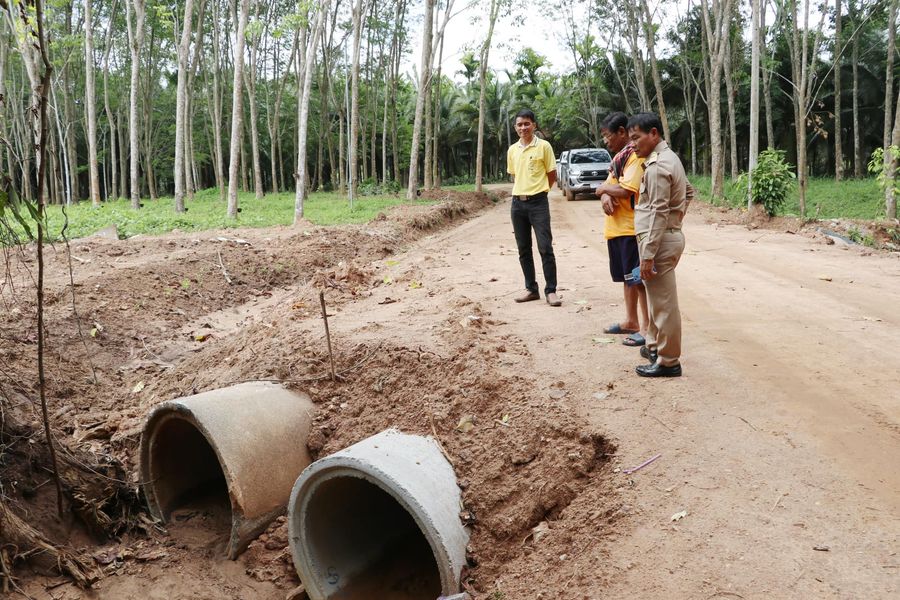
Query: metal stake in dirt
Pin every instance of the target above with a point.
(327, 334)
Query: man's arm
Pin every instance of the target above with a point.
(551, 177)
(613, 189)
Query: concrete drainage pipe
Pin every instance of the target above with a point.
(248, 439)
(379, 519)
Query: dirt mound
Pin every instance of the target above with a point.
(521, 460)
(175, 316)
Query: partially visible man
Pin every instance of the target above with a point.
(618, 195)
(531, 163)
(664, 198)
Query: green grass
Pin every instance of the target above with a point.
(850, 199)
(207, 211)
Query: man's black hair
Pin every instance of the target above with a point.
(614, 120)
(526, 113)
(645, 121)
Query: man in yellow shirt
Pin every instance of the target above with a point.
(619, 194)
(531, 163)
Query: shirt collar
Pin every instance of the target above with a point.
(662, 145)
(530, 144)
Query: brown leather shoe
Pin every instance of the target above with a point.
(528, 296)
(553, 299)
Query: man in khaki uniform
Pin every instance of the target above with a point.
(664, 197)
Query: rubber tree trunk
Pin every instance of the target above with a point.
(857, 132)
(184, 47)
(353, 168)
(889, 71)
(715, 31)
(890, 171)
(6, 160)
(482, 94)
(216, 104)
(754, 95)
(250, 82)
(436, 136)
(650, 36)
(838, 89)
(732, 117)
(135, 41)
(424, 79)
(237, 111)
(767, 85)
(303, 112)
(91, 104)
(110, 118)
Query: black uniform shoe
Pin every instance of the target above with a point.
(648, 354)
(658, 370)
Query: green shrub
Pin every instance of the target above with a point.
(371, 187)
(877, 168)
(771, 181)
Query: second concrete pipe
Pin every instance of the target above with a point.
(379, 519)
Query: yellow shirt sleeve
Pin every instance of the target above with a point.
(509, 162)
(549, 159)
(632, 175)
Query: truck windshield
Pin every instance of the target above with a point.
(590, 156)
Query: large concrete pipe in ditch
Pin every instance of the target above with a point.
(248, 439)
(379, 519)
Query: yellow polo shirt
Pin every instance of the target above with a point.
(530, 165)
(621, 222)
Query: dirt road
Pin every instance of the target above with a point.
(778, 475)
(781, 441)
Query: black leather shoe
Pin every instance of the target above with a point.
(658, 370)
(648, 354)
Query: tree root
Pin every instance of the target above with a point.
(16, 534)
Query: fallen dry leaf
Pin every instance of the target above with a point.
(466, 424)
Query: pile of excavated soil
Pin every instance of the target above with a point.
(172, 316)
(519, 458)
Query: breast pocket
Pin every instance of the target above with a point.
(535, 166)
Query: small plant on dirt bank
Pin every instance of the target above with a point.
(878, 168)
(771, 181)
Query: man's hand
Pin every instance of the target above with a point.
(647, 270)
(608, 204)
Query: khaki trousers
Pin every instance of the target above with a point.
(664, 331)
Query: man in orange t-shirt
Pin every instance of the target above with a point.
(618, 195)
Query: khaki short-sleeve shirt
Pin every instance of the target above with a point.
(664, 197)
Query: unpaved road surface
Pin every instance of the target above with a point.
(779, 467)
(781, 441)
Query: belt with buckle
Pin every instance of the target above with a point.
(526, 198)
